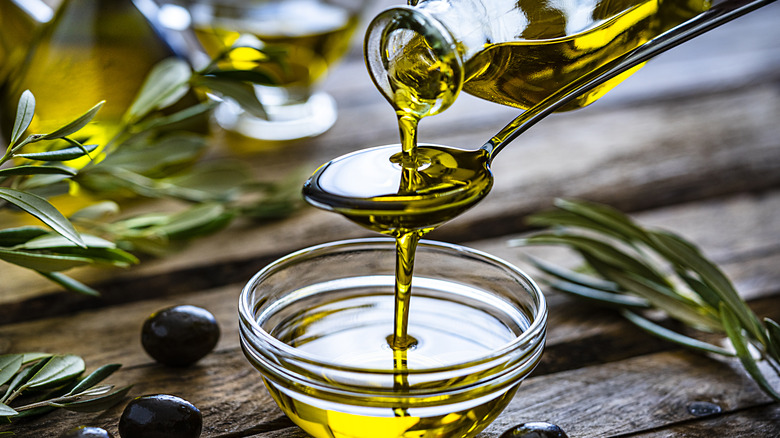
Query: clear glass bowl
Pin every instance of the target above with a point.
(315, 323)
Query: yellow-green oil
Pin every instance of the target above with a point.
(350, 330)
(298, 50)
(550, 54)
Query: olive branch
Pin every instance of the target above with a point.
(41, 383)
(152, 155)
(636, 269)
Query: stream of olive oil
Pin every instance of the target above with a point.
(408, 192)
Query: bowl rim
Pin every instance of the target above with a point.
(530, 340)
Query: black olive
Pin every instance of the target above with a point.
(87, 432)
(179, 336)
(535, 429)
(160, 416)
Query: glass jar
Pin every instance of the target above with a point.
(315, 324)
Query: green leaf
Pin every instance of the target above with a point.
(58, 370)
(37, 170)
(600, 296)
(94, 212)
(221, 179)
(75, 125)
(24, 115)
(43, 210)
(34, 356)
(9, 366)
(153, 159)
(569, 275)
(684, 254)
(734, 332)
(6, 411)
(69, 283)
(55, 241)
(198, 220)
(707, 295)
(244, 94)
(176, 118)
(166, 83)
(97, 404)
(43, 262)
(94, 378)
(672, 336)
(773, 334)
(15, 236)
(602, 251)
(64, 154)
(667, 300)
(615, 222)
(22, 377)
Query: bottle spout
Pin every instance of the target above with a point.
(413, 60)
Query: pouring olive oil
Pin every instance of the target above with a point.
(409, 190)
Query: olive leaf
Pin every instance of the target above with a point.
(37, 170)
(243, 93)
(76, 125)
(69, 283)
(43, 210)
(24, 115)
(166, 83)
(49, 382)
(64, 154)
(43, 262)
(57, 370)
(16, 236)
(6, 411)
(633, 268)
(733, 330)
(9, 365)
(95, 402)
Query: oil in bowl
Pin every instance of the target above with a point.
(316, 325)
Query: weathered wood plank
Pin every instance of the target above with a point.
(633, 395)
(756, 422)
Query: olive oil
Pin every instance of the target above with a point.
(557, 47)
(560, 45)
(349, 329)
(308, 47)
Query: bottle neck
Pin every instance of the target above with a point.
(414, 60)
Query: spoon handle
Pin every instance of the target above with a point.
(720, 13)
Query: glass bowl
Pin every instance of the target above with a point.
(315, 325)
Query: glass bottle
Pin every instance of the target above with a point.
(92, 50)
(512, 52)
(19, 20)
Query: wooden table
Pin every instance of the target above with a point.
(691, 143)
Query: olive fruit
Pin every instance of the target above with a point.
(87, 432)
(179, 336)
(160, 416)
(535, 429)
